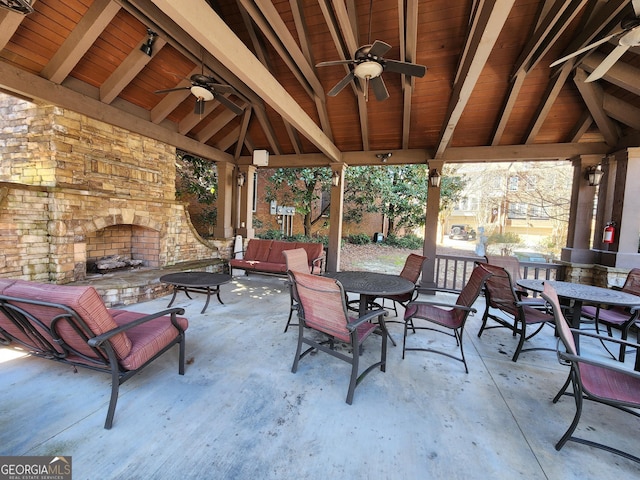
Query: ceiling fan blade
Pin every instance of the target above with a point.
(636, 7)
(379, 48)
(221, 88)
(405, 68)
(607, 63)
(172, 90)
(229, 104)
(341, 84)
(584, 49)
(335, 62)
(199, 108)
(379, 89)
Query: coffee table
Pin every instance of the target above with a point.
(196, 282)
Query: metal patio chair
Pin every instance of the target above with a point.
(591, 379)
(323, 309)
(444, 315)
(296, 261)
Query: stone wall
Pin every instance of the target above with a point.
(64, 176)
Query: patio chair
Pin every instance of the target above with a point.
(617, 317)
(446, 316)
(323, 309)
(592, 379)
(512, 265)
(296, 261)
(505, 307)
(411, 271)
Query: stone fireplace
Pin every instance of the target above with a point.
(73, 189)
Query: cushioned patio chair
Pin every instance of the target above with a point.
(505, 307)
(323, 309)
(444, 315)
(591, 379)
(71, 324)
(297, 261)
(622, 318)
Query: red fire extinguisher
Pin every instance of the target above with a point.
(608, 234)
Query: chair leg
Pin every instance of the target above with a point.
(577, 395)
(563, 389)
(523, 337)
(459, 340)
(115, 387)
(294, 368)
(354, 374)
(485, 317)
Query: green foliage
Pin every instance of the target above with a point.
(412, 242)
(199, 177)
(506, 241)
(277, 235)
(359, 239)
(271, 235)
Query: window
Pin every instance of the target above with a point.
(513, 183)
(517, 210)
(530, 183)
(537, 212)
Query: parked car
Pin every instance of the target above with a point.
(464, 232)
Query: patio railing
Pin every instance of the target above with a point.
(453, 271)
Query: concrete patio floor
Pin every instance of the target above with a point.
(239, 412)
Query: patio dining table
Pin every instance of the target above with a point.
(371, 285)
(581, 294)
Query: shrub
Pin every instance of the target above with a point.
(412, 242)
(271, 235)
(359, 239)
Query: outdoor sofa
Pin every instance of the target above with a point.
(265, 256)
(70, 324)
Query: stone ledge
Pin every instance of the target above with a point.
(134, 286)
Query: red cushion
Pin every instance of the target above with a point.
(258, 249)
(146, 339)
(277, 247)
(84, 300)
(314, 250)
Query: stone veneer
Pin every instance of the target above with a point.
(64, 176)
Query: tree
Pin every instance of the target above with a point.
(198, 178)
(398, 192)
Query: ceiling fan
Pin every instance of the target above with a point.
(369, 65)
(627, 38)
(205, 89)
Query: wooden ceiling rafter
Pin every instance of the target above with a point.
(408, 47)
(491, 18)
(9, 24)
(593, 97)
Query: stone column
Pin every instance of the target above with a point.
(224, 203)
(245, 227)
(431, 229)
(624, 208)
(578, 249)
(335, 218)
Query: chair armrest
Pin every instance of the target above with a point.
(614, 367)
(239, 251)
(317, 262)
(528, 303)
(100, 339)
(605, 338)
(443, 304)
(369, 315)
(436, 290)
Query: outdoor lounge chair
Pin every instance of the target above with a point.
(617, 317)
(296, 261)
(591, 379)
(512, 265)
(323, 309)
(504, 307)
(446, 316)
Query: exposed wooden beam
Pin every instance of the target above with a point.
(621, 111)
(128, 70)
(9, 23)
(200, 20)
(548, 99)
(592, 95)
(480, 43)
(581, 127)
(409, 40)
(80, 40)
(246, 117)
(507, 108)
(216, 125)
(34, 86)
(621, 74)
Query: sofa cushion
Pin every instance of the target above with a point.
(84, 300)
(277, 247)
(146, 339)
(4, 283)
(314, 250)
(258, 249)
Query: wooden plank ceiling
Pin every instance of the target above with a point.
(489, 92)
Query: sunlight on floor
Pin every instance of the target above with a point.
(7, 354)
